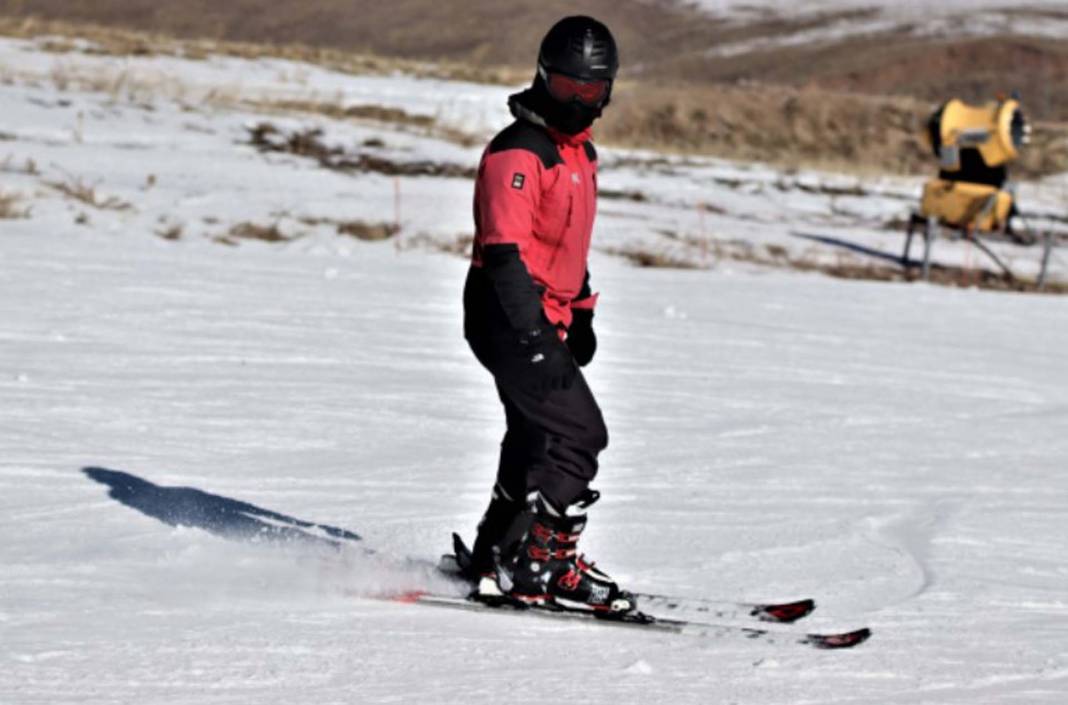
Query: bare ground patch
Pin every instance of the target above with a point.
(308, 142)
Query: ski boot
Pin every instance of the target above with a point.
(499, 532)
(548, 572)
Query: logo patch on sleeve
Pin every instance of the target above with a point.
(517, 180)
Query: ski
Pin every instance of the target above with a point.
(644, 621)
(773, 612)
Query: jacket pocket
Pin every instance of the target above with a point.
(560, 223)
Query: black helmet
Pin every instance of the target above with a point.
(577, 64)
(580, 47)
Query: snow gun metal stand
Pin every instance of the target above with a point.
(931, 228)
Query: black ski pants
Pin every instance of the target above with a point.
(553, 437)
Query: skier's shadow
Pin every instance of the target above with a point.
(229, 518)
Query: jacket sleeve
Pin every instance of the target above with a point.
(508, 194)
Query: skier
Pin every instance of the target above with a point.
(528, 317)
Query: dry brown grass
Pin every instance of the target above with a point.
(80, 190)
(116, 40)
(423, 124)
(492, 41)
(255, 231)
(377, 113)
(372, 232)
(273, 232)
(171, 232)
(11, 207)
(797, 128)
(659, 258)
(308, 142)
(928, 69)
(791, 129)
(359, 229)
(705, 110)
(459, 245)
(474, 39)
(626, 195)
(703, 253)
(126, 84)
(940, 274)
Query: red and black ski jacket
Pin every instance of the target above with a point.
(535, 202)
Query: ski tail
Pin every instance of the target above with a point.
(845, 640)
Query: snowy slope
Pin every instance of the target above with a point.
(896, 452)
(834, 20)
(906, 10)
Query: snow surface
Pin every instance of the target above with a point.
(905, 9)
(895, 451)
(837, 20)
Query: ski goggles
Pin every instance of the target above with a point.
(566, 89)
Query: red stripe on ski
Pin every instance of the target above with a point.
(409, 598)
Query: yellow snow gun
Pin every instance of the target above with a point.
(974, 146)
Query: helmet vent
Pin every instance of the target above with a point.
(589, 47)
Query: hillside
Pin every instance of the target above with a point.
(782, 124)
(404, 141)
(837, 45)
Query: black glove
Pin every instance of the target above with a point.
(549, 363)
(580, 338)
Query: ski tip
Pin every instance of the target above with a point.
(785, 612)
(845, 640)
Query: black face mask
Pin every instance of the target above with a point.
(569, 118)
(573, 118)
